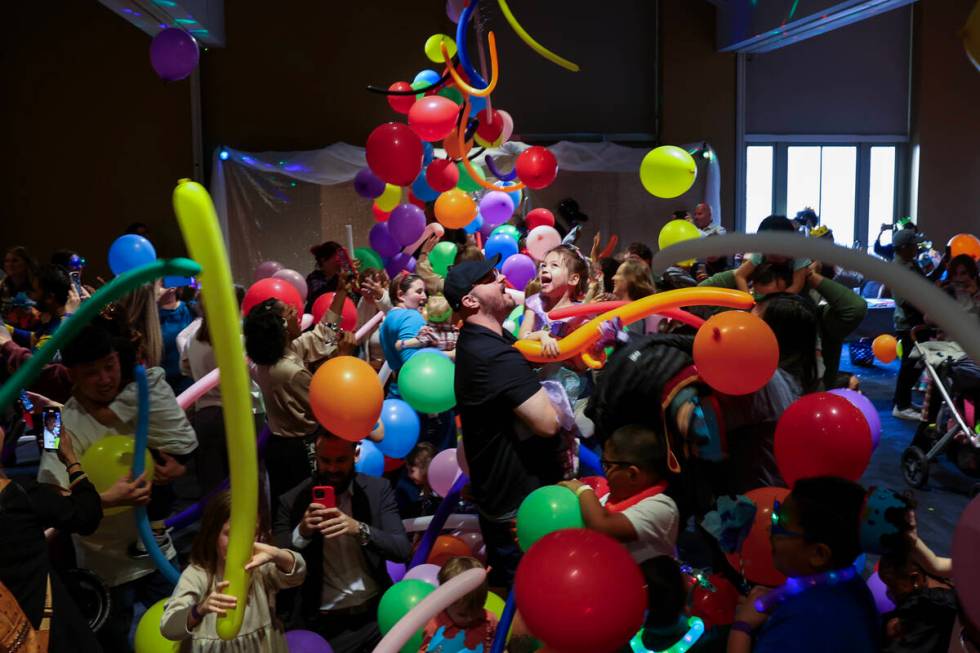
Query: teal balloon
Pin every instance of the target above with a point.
(507, 230)
(442, 256)
(546, 510)
(369, 258)
(396, 603)
(426, 383)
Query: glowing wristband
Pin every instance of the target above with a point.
(695, 630)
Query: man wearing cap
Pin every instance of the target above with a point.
(906, 244)
(508, 422)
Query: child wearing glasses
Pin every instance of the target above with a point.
(636, 511)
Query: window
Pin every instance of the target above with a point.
(850, 185)
(758, 185)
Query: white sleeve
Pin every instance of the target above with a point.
(299, 541)
(655, 520)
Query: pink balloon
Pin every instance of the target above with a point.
(206, 383)
(266, 269)
(542, 240)
(295, 279)
(508, 130)
(519, 270)
(443, 472)
(428, 573)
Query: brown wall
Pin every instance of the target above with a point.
(92, 139)
(945, 121)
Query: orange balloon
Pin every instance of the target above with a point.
(736, 353)
(754, 558)
(346, 397)
(965, 244)
(885, 348)
(455, 209)
(446, 547)
(451, 145)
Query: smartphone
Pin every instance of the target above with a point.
(51, 428)
(325, 496)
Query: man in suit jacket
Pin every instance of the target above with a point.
(345, 547)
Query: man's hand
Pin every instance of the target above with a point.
(338, 523)
(312, 518)
(814, 278)
(746, 609)
(168, 471)
(346, 343)
(127, 492)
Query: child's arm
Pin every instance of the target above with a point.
(743, 273)
(290, 568)
(597, 518)
(549, 346)
(528, 324)
(799, 281)
(191, 602)
(411, 343)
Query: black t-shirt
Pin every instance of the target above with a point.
(507, 462)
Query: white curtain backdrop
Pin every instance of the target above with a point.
(275, 205)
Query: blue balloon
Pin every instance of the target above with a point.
(401, 424)
(500, 244)
(514, 195)
(130, 251)
(429, 77)
(177, 282)
(477, 104)
(370, 460)
(422, 189)
(474, 226)
(428, 153)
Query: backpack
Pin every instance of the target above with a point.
(16, 633)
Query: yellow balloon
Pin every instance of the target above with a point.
(199, 226)
(148, 636)
(677, 231)
(109, 460)
(494, 604)
(390, 198)
(433, 50)
(668, 171)
(971, 36)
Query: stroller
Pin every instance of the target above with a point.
(949, 425)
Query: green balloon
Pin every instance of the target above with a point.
(395, 604)
(546, 510)
(514, 320)
(508, 229)
(369, 258)
(452, 94)
(466, 181)
(442, 256)
(426, 382)
(417, 85)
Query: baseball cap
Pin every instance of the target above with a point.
(461, 278)
(906, 237)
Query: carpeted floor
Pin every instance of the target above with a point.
(948, 490)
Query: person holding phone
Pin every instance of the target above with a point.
(25, 568)
(346, 525)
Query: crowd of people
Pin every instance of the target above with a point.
(646, 449)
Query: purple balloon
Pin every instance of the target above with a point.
(266, 269)
(396, 570)
(305, 641)
(867, 409)
(174, 54)
(519, 270)
(454, 8)
(496, 207)
(427, 572)
(367, 184)
(406, 223)
(382, 241)
(880, 592)
(295, 279)
(399, 262)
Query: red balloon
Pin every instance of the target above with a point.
(822, 434)
(391, 464)
(580, 591)
(379, 215)
(754, 559)
(394, 153)
(539, 217)
(416, 201)
(271, 287)
(433, 117)
(401, 103)
(348, 317)
(715, 608)
(490, 127)
(442, 175)
(536, 167)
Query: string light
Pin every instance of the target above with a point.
(223, 155)
(695, 630)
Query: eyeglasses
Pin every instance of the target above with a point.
(609, 464)
(778, 521)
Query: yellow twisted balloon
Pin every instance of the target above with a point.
(199, 225)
